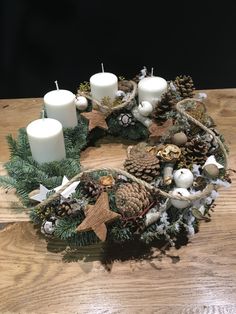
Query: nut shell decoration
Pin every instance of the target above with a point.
(169, 153)
(132, 199)
(143, 165)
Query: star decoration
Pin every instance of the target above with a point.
(96, 119)
(42, 195)
(157, 131)
(69, 190)
(96, 217)
(43, 191)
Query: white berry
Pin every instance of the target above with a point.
(81, 103)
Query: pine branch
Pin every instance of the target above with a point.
(35, 217)
(12, 145)
(66, 230)
(66, 227)
(8, 183)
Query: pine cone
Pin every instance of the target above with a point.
(143, 165)
(166, 104)
(195, 152)
(213, 145)
(64, 209)
(184, 85)
(92, 189)
(132, 199)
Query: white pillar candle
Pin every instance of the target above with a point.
(180, 203)
(183, 178)
(46, 140)
(151, 89)
(104, 84)
(60, 105)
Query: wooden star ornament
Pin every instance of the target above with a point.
(96, 217)
(96, 119)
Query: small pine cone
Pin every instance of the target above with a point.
(63, 209)
(213, 145)
(166, 104)
(92, 189)
(195, 152)
(132, 199)
(143, 165)
(184, 86)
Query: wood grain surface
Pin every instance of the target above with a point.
(39, 276)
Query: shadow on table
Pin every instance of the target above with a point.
(108, 253)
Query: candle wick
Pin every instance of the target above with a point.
(43, 114)
(152, 70)
(102, 67)
(56, 85)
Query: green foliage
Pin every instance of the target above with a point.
(133, 132)
(7, 182)
(119, 233)
(25, 174)
(34, 217)
(66, 227)
(76, 138)
(19, 147)
(66, 230)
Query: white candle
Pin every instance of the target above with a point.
(46, 140)
(60, 105)
(151, 89)
(183, 178)
(180, 203)
(104, 84)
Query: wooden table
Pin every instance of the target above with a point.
(197, 278)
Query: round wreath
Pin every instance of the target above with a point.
(139, 202)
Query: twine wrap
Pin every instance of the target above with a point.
(107, 109)
(205, 192)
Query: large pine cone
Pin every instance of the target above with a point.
(132, 199)
(185, 86)
(143, 165)
(195, 152)
(166, 104)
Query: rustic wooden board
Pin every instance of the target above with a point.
(36, 277)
